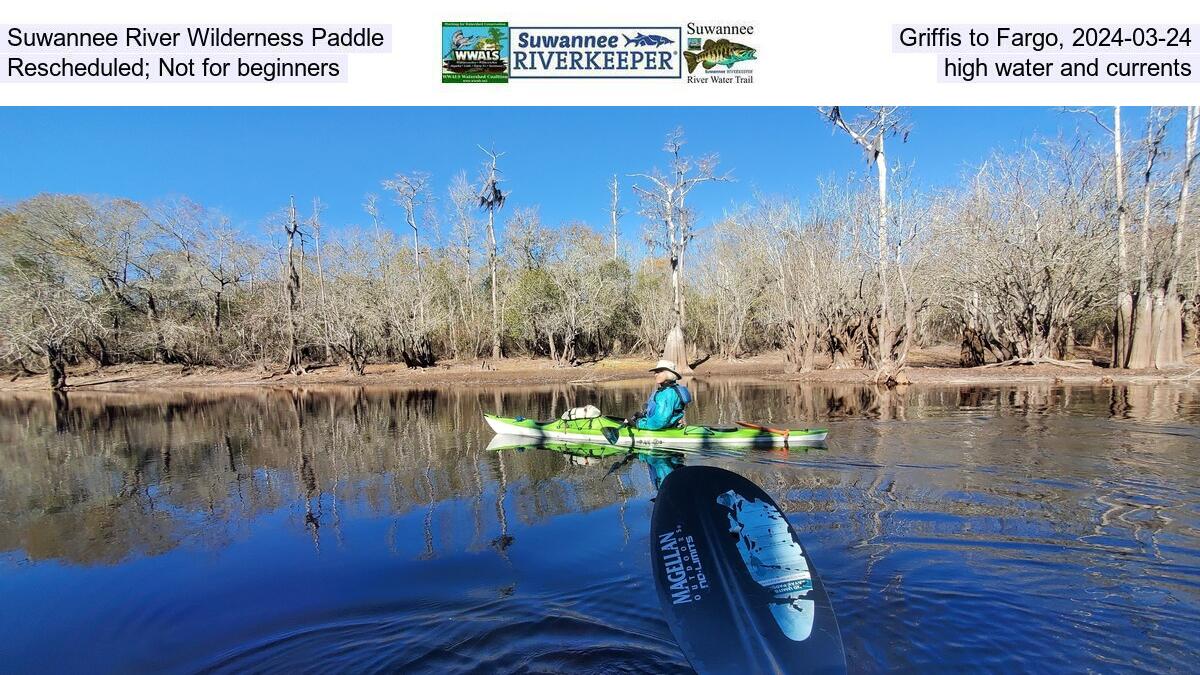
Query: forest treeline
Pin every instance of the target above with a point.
(1092, 238)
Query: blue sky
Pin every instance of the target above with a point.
(246, 161)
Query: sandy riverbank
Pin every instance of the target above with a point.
(928, 366)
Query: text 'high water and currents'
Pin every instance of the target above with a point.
(1056, 53)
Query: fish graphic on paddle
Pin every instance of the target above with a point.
(774, 560)
(718, 53)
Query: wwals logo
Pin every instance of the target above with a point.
(475, 51)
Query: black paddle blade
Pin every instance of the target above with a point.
(738, 590)
(611, 434)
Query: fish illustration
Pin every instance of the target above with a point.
(642, 40)
(774, 560)
(718, 53)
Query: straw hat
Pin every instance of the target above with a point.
(668, 366)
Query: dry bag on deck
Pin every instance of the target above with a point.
(587, 412)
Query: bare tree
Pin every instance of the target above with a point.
(663, 194)
(870, 133)
(588, 289)
(1141, 348)
(734, 273)
(356, 317)
(43, 309)
(463, 201)
(1166, 339)
(1169, 332)
(108, 240)
(491, 199)
(211, 263)
(412, 192)
(615, 212)
(1123, 311)
(295, 244)
(371, 207)
(1026, 251)
(314, 225)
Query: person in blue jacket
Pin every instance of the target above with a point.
(668, 401)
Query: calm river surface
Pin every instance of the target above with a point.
(1034, 528)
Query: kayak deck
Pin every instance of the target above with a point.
(591, 430)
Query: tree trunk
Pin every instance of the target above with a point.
(1191, 325)
(1141, 339)
(1068, 350)
(615, 215)
(802, 354)
(1168, 329)
(1168, 306)
(1140, 346)
(356, 360)
(492, 265)
(795, 350)
(1123, 322)
(971, 353)
(410, 215)
(160, 342)
(1122, 326)
(216, 316)
(837, 342)
(294, 365)
(103, 355)
(56, 366)
(808, 353)
(887, 368)
(325, 333)
(358, 356)
(676, 294)
(1148, 322)
(675, 350)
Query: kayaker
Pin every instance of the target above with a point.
(666, 405)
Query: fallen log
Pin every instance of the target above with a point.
(1073, 363)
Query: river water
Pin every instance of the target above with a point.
(1034, 528)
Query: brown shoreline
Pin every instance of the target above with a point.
(928, 367)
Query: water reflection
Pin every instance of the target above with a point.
(372, 528)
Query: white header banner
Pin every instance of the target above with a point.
(616, 53)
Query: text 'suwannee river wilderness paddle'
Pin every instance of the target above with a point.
(738, 590)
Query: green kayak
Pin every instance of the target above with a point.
(591, 430)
